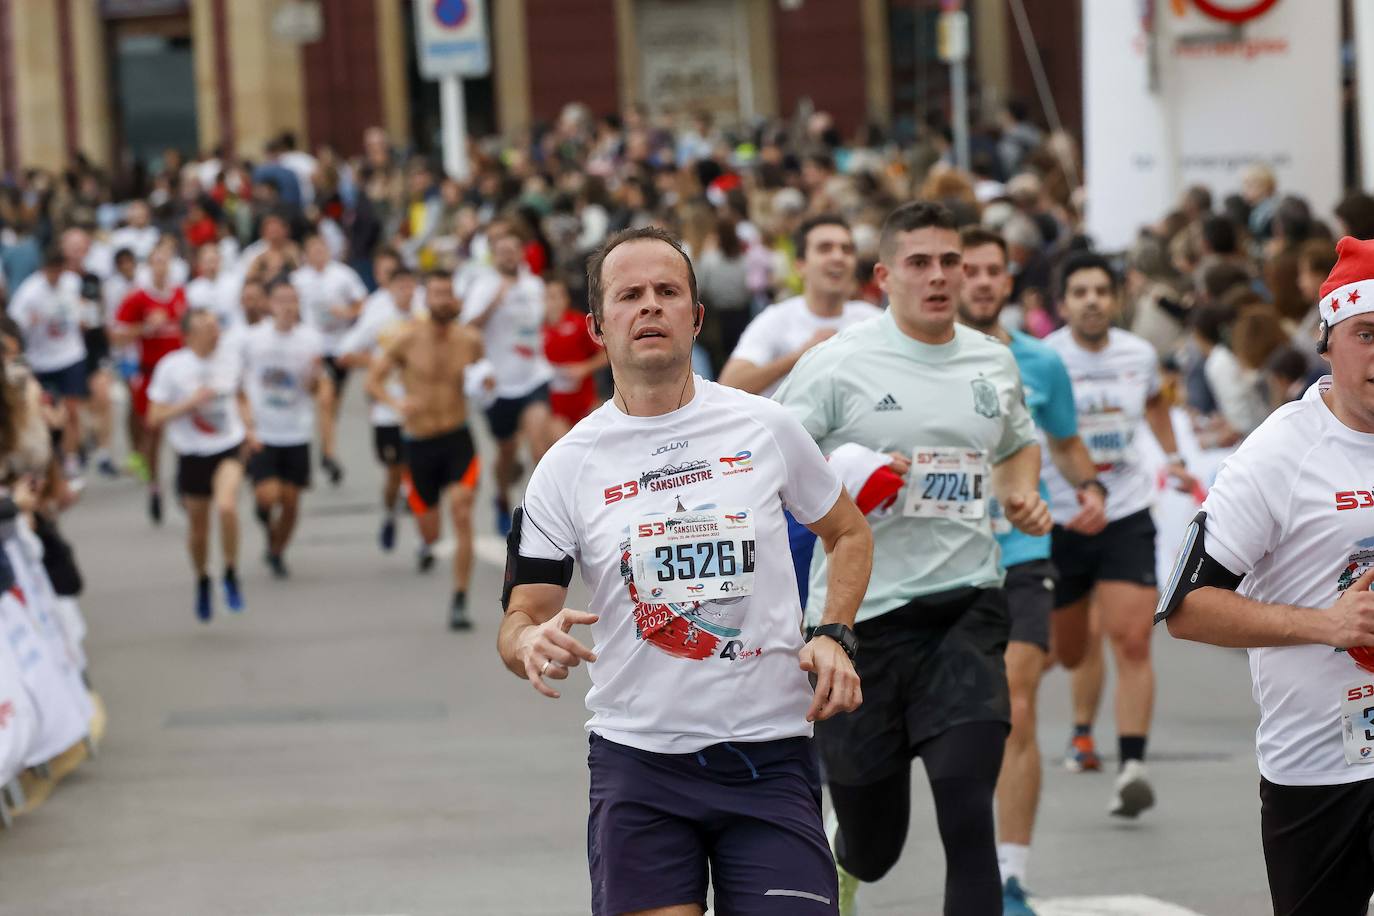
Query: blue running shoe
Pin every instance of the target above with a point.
(204, 604)
(232, 597)
(502, 518)
(1014, 899)
(387, 536)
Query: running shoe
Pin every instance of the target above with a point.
(458, 614)
(1014, 901)
(71, 467)
(425, 559)
(1082, 755)
(502, 518)
(387, 536)
(155, 507)
(204, 603)
(333, 469)
(136, 466)
(278, 566)
(106, 467)
(849, 885)
(1133, 792)
(232, 597)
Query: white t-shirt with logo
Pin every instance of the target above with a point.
(279, 370)
(673, 677)
(379, 318)
(1110, 389)
(514, 335)
(50, 317)
(1293, 511)
(213, 427)
(783, 327)
(321, 291)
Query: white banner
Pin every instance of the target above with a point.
(1267, 90)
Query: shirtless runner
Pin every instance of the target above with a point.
(431, 355)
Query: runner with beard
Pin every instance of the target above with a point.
(431, 356)
(506, 304)
(1030, 574)
(933, 627)
(701, 761)
(1280, 561)
(1107, 580)
(784, 332)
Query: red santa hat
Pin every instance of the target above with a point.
(1349, 288)
(871, 483)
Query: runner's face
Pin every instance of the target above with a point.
(1351, 354)
(923, 278)
(286, 307)
(506, 254)
(317, 252)
(439, 299)
(987, 285)
(208, 261)
(828, 263)
(202, 335)
(402, 289)
(647, 308)
(1089, 303)
(383, 268)
(556, 301)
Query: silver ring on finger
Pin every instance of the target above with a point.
(545, 667)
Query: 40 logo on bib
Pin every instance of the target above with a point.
(688, 574)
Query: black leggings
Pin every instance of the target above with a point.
(962, 764)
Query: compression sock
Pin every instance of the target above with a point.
(1131, 747)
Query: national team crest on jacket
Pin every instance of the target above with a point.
(985, 399)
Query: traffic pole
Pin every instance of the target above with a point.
(453, 127)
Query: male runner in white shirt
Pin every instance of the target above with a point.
(1280, 561)
(701, 713)
(195, 393)
(506, 304)
(283, 379)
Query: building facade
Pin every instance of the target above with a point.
(120, 80)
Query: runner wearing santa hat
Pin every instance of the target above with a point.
(1280, 560)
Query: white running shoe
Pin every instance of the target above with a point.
(1133, 792)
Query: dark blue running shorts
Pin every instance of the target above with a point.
(748, 812)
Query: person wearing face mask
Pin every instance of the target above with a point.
(432, 356)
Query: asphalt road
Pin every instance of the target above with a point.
(335, 750)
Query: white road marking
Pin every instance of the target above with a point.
(1131, 905)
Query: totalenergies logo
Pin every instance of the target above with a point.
(1234, 12)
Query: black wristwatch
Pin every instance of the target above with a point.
(841, 634)
(1101, 487)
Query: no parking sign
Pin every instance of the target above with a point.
(451, 38)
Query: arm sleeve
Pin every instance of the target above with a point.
(548, 532)
(754, 344)
(1019, 430)
(354, 284)
(811, 487)
(361, 337)
(1242, 524)
(1060, 417)
(808, 393)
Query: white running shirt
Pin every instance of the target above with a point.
(320, 292)
(381, 317)
(50, 317)
(278, 372)
(673, 678)
(514, 336)
(213, 427)
(1110, 388)
(1291, 510)
(784, 326)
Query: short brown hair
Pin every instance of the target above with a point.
(977, 237)
(596, 291)
(1317, 255)
(919, 214)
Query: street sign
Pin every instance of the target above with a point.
(451, 38)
